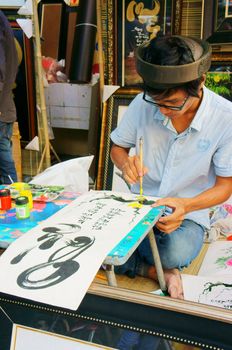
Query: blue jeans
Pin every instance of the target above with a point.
(176, 249)
(132, 340)
(7, 166)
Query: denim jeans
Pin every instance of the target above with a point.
(176, 249)
(7, 166)
(132, 340)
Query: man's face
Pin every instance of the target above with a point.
(175, 105)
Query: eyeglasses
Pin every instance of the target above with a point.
(173, 108)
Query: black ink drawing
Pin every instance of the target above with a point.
(53, 235)
(122, 200)
(217, 294)
(60, 264)
(133, 203)
(56, 233)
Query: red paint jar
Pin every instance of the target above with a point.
(5, 199)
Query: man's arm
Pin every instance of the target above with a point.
(217, 194)
(130, 166)
(2, 54)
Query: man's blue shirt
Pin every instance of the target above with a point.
(185, 164)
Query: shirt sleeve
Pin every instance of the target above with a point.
(125, 133)
(223, 156)
(2, 54)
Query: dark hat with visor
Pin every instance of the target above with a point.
(165, 77)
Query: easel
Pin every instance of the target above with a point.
(44, 141)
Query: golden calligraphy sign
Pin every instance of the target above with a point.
(136, 11)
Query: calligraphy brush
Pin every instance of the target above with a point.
(141, 197)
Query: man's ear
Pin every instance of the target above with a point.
(203, 79)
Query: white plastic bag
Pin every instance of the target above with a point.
(72, 174)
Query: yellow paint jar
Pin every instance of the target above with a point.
(20, 186)
(28, 194)
(17, 187)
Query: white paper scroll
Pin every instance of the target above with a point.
(55, 262)
(218, 259)
(215, 291)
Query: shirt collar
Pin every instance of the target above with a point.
(199, 116)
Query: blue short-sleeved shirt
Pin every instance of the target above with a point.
(185, 164)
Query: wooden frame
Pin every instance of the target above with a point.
(106, 312)
(111, 108)
(11, 3)
(55, 37)
(107, 10)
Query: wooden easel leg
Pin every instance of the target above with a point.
(41, 160)
(158, 266)
(54, 152)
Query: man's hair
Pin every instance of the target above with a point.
(170, 51)
(173, 52)
(191, 88)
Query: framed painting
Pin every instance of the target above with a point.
(114, 317)
(219, 79)
(135, 23)
(222, 32)
(108, 175)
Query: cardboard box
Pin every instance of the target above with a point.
(71, 106)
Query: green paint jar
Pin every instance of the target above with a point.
(22, 207)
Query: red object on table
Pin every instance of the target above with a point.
(5, 199)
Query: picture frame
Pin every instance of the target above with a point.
(14, 4)
(25, 338)
(108, 39)
(54, 39)
(112, 112)
(222, 33)
(219, 78)
(135, 23)
(223, 10)
(107, 313)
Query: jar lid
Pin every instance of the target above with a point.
(5, 192)
(21, 200)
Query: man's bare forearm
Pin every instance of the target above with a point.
(119, 156)
(213, 196)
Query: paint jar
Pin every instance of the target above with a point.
(20, 186)
(28, 194)
(17, 187)
(5, 199)
(22, 207)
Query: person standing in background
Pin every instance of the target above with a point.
(8, 71)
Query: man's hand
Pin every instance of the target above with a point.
(131, 170)
(170, 223)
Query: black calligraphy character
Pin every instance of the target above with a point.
(60, 265)
(56, 233)
(53, 235)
